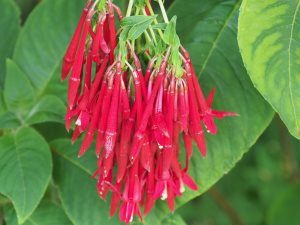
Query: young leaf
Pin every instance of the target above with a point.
(134, 26)
(25, 163)
(161, 26)
(269, 38)
(138, 29)
(170, 34)
(131, 21)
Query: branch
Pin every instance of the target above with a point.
(225, 205)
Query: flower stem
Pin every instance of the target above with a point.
(163, 11)
(152, 14)
(129, 9)
(151, 30)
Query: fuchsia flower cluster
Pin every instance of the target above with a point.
(134, 115)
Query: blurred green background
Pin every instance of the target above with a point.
(264, 187)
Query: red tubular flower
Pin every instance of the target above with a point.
(99, 41)
(71, 52)
(137, 114)
(112, 30)
(112, 120)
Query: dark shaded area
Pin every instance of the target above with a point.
(26, 7)
(255, 191)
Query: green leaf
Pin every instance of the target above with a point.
(170, 35)
(134, 26)
(47, 213)
(76, 187)
(49, 108)
(269, 38)
(18, 92)
(2, 103)
(285, 208)
(9, 120)
(39, 52)
(140, 28)
(51, 130)
(25, 163)
(26, 7)
(9, 30)
(173, 219)
(136, 20)
(211, 39)
(22, 103)
(40, 48)
(161, 26)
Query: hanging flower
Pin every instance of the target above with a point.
(135, 116)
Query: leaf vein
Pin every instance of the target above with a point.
(72, 161)
(226, 22)
(289, 63)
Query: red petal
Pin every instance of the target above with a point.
(87, 141)
(201, 143)
(171, 200)
(159, 188)
(222, 114)
(76, 134)
(189, 182)
(210, 124)
(210, 98)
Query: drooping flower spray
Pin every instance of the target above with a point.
(133, 91)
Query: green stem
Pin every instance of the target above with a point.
(163, 11)
(155, 21)
(151, 30)
(129, 9)
(148, 38)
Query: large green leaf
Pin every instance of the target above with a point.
(24, 105)
(210, 34)
(269, 35)
(9, 120)
(48, 108)
(76, 187)
(9, 30)
(39, 51)
(43, 40)
(18, 91)
(173, 219)
(25, 163)
(47, 213)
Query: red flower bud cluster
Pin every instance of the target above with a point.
(135, 116)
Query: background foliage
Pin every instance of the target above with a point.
(43, 182)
